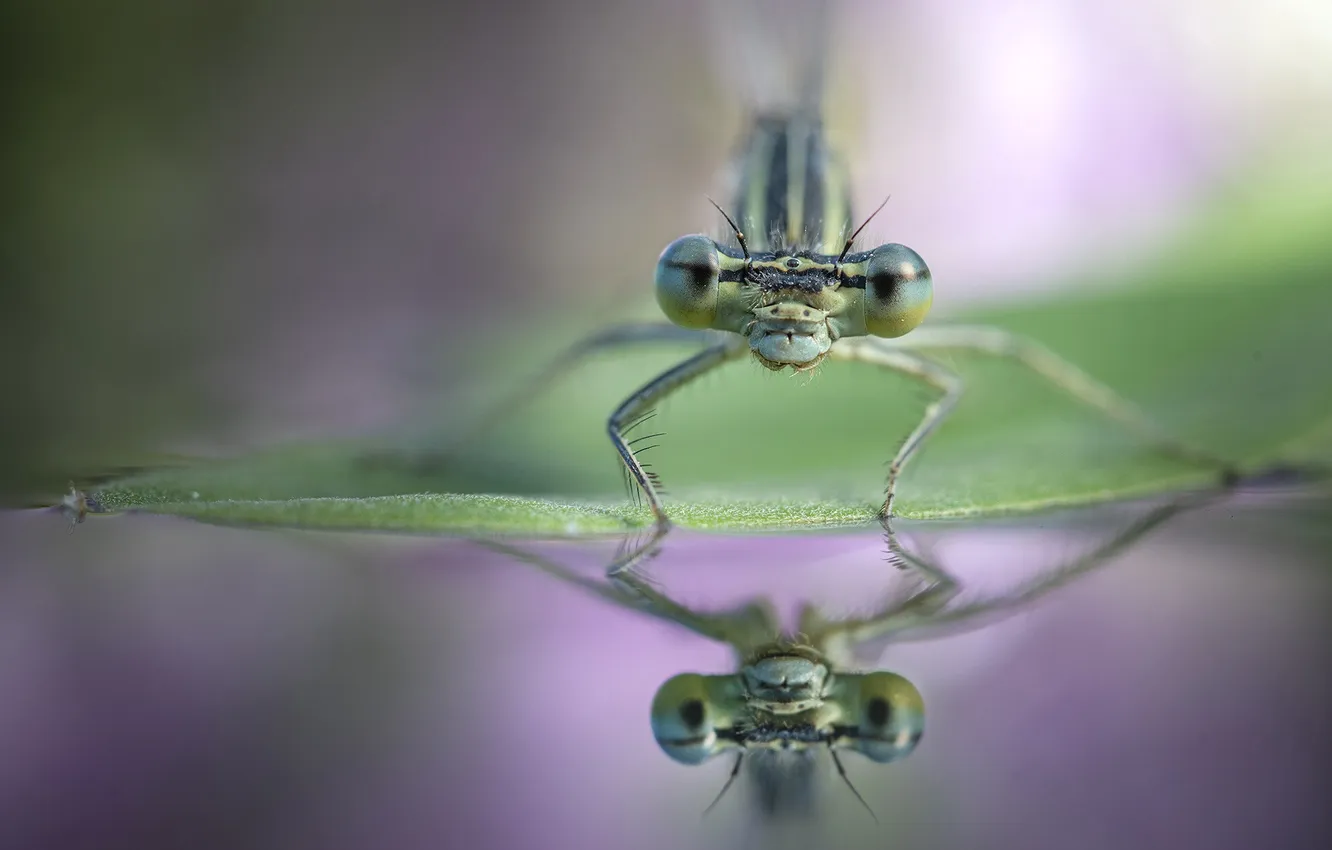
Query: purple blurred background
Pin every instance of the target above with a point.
(164, 684)
(240, 222)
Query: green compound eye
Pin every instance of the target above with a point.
(890, 717)
(687, 274)
(898, 291)
(682, 719)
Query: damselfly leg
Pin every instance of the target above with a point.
(946, 382)
(625, 336)
(906, 357)
(916, 621)
(648, 395)
(1068, 378)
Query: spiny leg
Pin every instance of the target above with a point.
(741, 628)
(633, 408)
(744, 627)
(940, 587)
(636, 548)
(1070, 379)
(948, 384)
(619, 336)
(925, 615)
(986, 611)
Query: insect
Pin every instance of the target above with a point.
(792, 289)
(795, 699)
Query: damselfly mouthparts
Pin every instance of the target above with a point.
(795, 699)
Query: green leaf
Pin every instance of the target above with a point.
(1224, 340)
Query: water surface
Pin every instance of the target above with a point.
(165, 683)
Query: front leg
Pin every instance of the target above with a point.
(949, 385)
(638, 404)
(618, 337)
(1070, 379)
(630, 335)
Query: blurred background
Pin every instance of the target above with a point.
(234, 224)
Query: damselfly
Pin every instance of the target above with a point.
(795, 699)
(791, 288)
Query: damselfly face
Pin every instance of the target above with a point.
(787, 698)
(792, 305)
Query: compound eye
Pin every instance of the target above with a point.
(898, 291)
(682, 719)
(890, 717)
(687, 273)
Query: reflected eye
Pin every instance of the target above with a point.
(890, 716)
(682, 719)
(898, 291)
(687, 273)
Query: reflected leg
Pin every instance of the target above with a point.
(949, 385)
(984, 611)
(742, 628)
(1070, 379)
(938, 589)
(923, 616)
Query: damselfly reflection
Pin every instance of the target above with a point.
(796, 699)
(788, 286)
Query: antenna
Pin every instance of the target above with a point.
(735, 770)
(842, 771)
(852, 238)
(740, 237)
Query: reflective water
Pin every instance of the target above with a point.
(164, 683)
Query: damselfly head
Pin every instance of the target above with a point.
(792, 306)
(788, 701)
